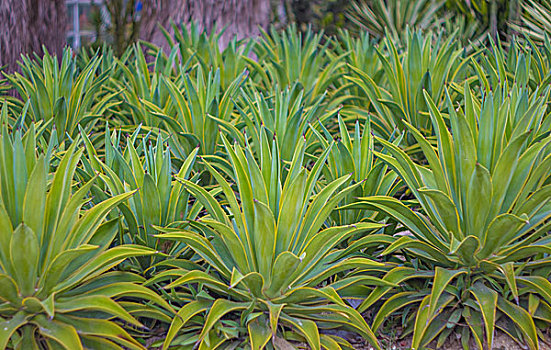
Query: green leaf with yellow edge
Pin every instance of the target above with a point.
(8, 290)
(508, 270)
(320, 208)
(208, 201)
(284, 266)
(114, 289)
(446, 211)
(522, 319)
(201, 246)
(540, 284)
(329, 343)
(396, 276)
(96, 303)
(466, 250)
(213, 340)
(504, 171)
(87, 225)
(59, 264)
(58, 193)
(151, 204)
(259, 332)
(523, 252)
(265, 236)
(184, 314)
(103, 262)
(24, 253)
(359, 263)
(445, 143)
(254, 281)
(64, 334)
(300, 294)
(393, 303)
(290, 211)
(425, 317)
(35, 199)
(442, 277)
(203, 277)
(34, 306)
(5, 237)
(275, 312)
(499, 233)
(99, 343)
(478, 198)
(94, 327)
(487, 301)
(474, 321)
(205, 248)
(406, 242)
(349, 317)
(306, 328)
(9, 326)
(406, 216)
(218, 309)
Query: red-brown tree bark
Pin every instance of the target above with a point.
(14, 32)
(28, 25)
(48, 23)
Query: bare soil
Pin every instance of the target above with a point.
(501, 342)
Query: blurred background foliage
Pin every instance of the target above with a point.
(474, 20)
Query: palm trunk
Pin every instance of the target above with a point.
(14, 31)
(28, 25)
(48, 25)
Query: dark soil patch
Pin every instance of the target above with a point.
(501, 342)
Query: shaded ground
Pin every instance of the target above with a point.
(501, 342)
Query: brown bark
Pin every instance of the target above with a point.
(27, 25)
(163, 12)
(14, 31)
(240, 18)
(48, 23)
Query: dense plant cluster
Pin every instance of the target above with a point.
(280, 193)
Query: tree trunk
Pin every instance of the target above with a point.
(14, 32)
(27, 25)
(240, 18)
(48, 22)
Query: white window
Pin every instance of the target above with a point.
(81, 30)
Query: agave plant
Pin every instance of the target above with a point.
(523, 63)
(289, 57)
(158, 200)
(399, 99)
(470, 33)
(484, 222)
(194, 109)
(185, 102)
(353, 155)
(392, 17)
(268, 263)
(6, 91)
(62, 95)
(57, 290)
(535, 20)
(361, 52)
(142, 85)
(284, 114)
(108, 60)
(196, 46)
